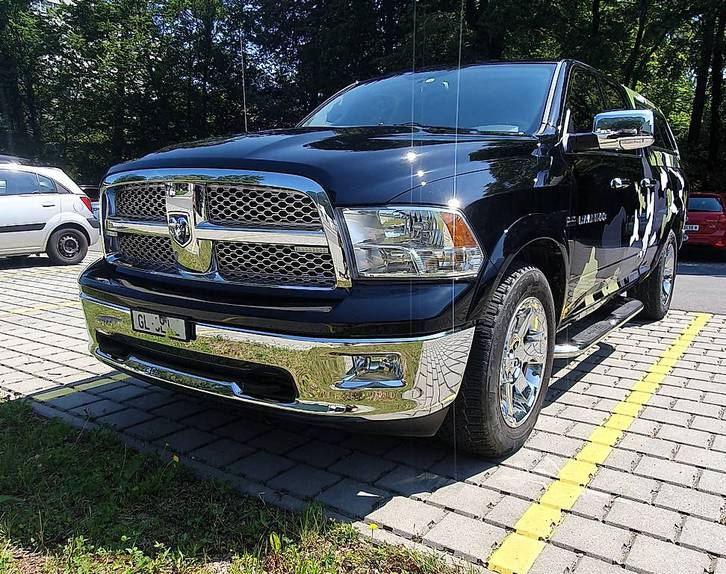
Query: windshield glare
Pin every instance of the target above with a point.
(498, 98)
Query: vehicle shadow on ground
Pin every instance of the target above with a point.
(355, 475)
(702, 261)
(40, 261)
(22, 262)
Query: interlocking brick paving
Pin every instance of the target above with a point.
(656, 503)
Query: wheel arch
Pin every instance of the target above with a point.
(538, 240)
(68, 225)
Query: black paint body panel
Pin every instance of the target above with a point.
(514, 190)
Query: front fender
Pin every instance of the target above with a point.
(540, 228)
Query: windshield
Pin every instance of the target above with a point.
(498, 98)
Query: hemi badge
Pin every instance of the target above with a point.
(310, 249)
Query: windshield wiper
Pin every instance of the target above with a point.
(451, 129)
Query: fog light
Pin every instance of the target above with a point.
(372, 371)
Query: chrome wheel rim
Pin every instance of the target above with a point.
(669, 272)
(68, 246)
(523, 362)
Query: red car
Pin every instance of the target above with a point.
(706, 223)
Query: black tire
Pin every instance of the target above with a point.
(475, 423)
(67, 246)
(651, 292)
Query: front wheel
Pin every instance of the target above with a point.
(656, 292)
(67, 247)
(509, 368)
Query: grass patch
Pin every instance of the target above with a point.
(82, 503)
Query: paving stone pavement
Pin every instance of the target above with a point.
(655, 504)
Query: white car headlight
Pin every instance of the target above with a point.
(425, 242)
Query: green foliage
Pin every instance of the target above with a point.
(81, 503)
(94, 82)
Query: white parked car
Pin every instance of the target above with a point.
(43, 210)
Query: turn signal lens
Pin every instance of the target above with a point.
(412, 242)
(459, 230)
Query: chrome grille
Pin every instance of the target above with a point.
(274, 265)
(147, 252)
(250, 227)
(250, 205)
(142, 201)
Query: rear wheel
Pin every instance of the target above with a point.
(656, 292)
(67, 246)
(509, 368)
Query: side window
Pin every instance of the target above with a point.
(663, 137)
(614, 99)
(18, 182)
(46, 184)
(662, 134)
(584, 100)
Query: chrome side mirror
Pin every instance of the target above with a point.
(624, 129)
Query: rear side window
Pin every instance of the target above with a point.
(614, 97)
(707, 204)
(662, 133)
(18, 183)
(46, 184)
(663, 138)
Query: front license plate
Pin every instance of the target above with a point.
(154, 324)
(692, 227)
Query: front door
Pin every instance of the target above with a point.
(26, 205)
(605, 196)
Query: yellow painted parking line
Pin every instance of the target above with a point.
(519, 550)
(32, 309)
(55, 393)
(63, 391)
(93, 384)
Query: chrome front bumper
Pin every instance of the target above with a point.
(376, 379)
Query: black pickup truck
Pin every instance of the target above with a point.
(409, 259)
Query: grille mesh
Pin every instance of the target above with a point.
(230, 206)
(141, 201)
(273, 265)
(147, 252)
(249, 205)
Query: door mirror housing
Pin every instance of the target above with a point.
(616, 130)
(624, 129)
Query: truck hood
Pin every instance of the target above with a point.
(356, 166)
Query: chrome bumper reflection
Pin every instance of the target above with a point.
(378, 379)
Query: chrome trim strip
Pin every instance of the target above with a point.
(325, 371)
(116, 225)
(210, 231)
(329, 235)
(261, 235)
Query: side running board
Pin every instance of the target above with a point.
(579, 337)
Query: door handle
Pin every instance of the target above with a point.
(48, 204)
(647, 182)
(620, 183)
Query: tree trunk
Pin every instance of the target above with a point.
(633, 57)
(716, 95)
(595, 30)
(33, 115)
(119, 114)
(699, 97)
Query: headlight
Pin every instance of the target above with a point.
(412, 242)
